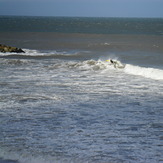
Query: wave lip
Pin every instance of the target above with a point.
(152, 73)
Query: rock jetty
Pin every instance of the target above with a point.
(4, 49)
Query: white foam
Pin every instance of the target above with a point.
(30, 52)
(152, 73)
(149, 72)
(94, 65)
(37, 53)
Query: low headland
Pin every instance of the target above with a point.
(10, 49)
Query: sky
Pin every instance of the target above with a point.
(83, 8)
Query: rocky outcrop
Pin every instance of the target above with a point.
(4, 49)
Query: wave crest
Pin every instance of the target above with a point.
(152, 73)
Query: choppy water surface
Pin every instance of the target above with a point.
(79, 111)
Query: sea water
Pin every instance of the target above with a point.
(61, 101)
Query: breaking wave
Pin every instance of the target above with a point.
(91, 64)
(152, 73)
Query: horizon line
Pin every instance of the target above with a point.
(82, 16)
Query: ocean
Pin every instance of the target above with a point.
(62, 102)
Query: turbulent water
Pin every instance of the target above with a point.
(61, 101)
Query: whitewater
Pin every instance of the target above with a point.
(147, 72)
(57, 107)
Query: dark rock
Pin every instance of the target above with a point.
(4, 49)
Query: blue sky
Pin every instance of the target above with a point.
(88, 8)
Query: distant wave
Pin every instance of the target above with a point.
(44, 54)
(34, 53)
